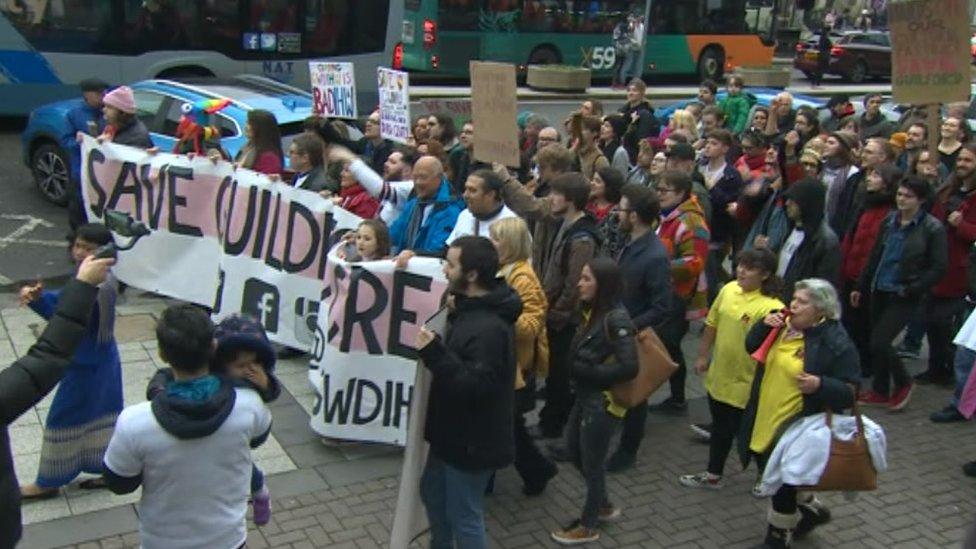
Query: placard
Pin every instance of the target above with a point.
(930, 51)
(494, 109)
(333, 89)
(394, 90)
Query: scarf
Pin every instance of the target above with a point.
(196, 390)
(416, 220)
(754, 162)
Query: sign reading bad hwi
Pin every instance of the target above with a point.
(333, 89)
(494, 108)
(364, 361)
(930, 50)
(394, 90)
(228, 239)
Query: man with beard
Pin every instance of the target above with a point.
(955, 207)
(483, 197)
(472, 394)
(392, 189)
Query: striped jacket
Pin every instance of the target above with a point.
(685, 234)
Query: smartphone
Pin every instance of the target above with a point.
(437, 323)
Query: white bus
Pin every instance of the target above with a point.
(48, 46)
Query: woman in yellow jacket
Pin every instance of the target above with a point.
(514, 245)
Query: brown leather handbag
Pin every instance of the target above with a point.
(849, 467)
(654, 368)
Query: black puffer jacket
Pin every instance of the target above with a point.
(472, 395)
(611, 338)
(828, 352)
(27, 381)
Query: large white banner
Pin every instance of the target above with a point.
(229, 239)
(364, 362)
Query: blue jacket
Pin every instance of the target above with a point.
(78, 118)
(431, 239)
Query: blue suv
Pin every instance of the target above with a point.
(159, 105)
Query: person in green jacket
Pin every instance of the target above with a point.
(736, 105)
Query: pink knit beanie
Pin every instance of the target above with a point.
(121, 98)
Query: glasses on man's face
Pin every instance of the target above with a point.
(664, 190)
(811, 165)
(549, 139)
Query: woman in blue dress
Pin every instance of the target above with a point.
(89, 398)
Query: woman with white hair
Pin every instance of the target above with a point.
(811, 365)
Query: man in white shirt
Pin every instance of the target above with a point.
(190, 447)
(483, 197)
(392, 189)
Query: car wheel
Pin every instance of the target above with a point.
(858, 73)
(52, 173)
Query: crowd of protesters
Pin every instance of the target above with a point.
(841, 231)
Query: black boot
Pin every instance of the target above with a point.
(813, 513)
(779, 532)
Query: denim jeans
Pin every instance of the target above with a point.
(588, 435)
(962, 367)
(455, 505)
(631, 67)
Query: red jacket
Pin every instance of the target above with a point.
(960, 242)
(857, 244)
(355, 199)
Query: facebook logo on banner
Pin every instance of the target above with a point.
(252, 41)
(262, 301)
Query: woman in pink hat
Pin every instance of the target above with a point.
(121, 124)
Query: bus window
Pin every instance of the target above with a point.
(81, 26)
(343, 27)
(698, 17)
(461, 15)
(576, 16)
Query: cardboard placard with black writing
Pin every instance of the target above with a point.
(930, 51)
(494, 108)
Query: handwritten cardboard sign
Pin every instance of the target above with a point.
(494, 108)
(333, 89)
(930, 50)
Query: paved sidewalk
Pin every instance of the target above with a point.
(344, 497)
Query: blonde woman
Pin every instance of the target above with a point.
(511, 238)
(684, 120)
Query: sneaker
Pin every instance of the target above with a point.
(702, 430)
(669, 406)
(901, 397)
(575, 534)
(610, 513)
(871, 398)
(621, 460)
(757, 489)
(262, 506)
(949, 414)
(969, 469)
(701, 480)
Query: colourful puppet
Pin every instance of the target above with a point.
(194, 133)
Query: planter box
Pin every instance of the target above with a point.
(558, 77)
(767, 77)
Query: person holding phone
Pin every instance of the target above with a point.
(89, 398)
(472, 396)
